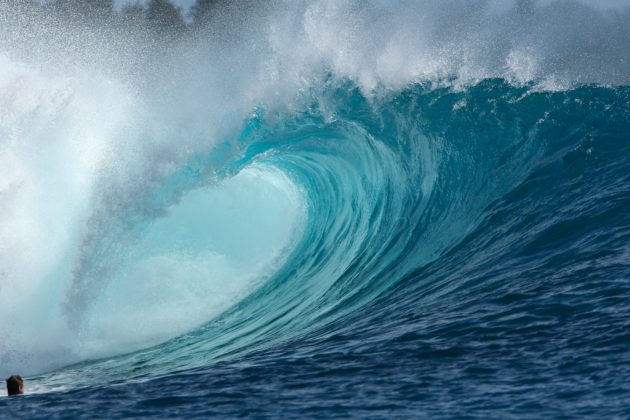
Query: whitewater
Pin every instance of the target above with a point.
(318, 209)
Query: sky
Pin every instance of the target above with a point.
(607, 4)
(184, 4)
(602, 4)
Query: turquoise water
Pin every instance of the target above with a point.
(437, 246)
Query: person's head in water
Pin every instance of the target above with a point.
(15, 385)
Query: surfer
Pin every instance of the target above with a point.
(15, 385)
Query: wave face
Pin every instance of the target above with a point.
(357, 210)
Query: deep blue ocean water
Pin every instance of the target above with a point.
(441, 247)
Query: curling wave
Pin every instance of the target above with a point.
(360, 177)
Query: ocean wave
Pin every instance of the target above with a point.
(152, 223)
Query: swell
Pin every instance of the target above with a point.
(389, 147)
(412, 201)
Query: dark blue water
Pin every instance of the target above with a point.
(465, 254)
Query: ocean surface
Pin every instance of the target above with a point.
(329, 209)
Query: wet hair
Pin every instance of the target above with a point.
(14, 383)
